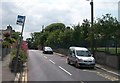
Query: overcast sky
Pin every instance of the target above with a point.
(45, 12)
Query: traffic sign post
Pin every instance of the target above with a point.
(20, 21)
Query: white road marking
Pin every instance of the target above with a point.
(45, 57)
(81, 81)
(65, 70)
(52, 61)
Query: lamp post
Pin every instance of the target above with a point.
(92, 19)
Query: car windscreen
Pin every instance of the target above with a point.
(48, 48)
(83, 53)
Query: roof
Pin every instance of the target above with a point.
(79, 48)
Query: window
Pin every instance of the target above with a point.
(83, 53)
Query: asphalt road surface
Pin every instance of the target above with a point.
(53, 67)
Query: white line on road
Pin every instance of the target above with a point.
(52, 61)
(65, 70)
(45, 57)
(81, 81)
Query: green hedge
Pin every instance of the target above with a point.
(22, 54)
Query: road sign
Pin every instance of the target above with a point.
(20, 20)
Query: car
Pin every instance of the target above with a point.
(80, 57)
(47, 50)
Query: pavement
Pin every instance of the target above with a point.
(7, 75)
(108, 69)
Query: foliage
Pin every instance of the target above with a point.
(57, 35)
(9, 39)
(15, 35)
(53, 39)
(8, 42)
(29, 41)
(22, 54)
(22, 58)
(5, 44)
(55, 26)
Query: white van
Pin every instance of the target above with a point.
(80, 57)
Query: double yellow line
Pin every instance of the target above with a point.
(24, 74)
(23, 77)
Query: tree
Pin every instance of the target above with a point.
(53, 39)
(105, 30)
(76, 35)
(8, 40)
(15, 35)
(55, 26)
(86, 35)
(35, 40)
(67, 38)
(29, 41)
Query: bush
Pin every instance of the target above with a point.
(22, 54)
(19, 65)
(22, 58)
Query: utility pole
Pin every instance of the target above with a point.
(42, 28)
(92, 19)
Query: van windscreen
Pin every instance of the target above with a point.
(83, 53)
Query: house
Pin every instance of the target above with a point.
(9, 30)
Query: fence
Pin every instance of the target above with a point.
(4, 52)
(107, 59)
(108, 46)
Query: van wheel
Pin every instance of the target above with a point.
(76, 65)
(68, 61)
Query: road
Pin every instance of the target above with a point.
(53, 67)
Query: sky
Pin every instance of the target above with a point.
(45, 12)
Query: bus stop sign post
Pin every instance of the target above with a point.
(21, 22)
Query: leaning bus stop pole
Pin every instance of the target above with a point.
(18, 48)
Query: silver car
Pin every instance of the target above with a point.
(80, 57)
(47, 50)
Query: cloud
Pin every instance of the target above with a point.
(45, 12)
(9, 15)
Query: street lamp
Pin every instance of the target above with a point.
(92, 17)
